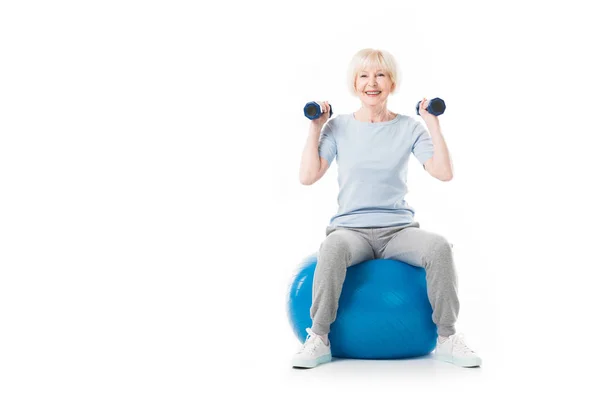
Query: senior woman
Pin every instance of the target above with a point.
(372, 147)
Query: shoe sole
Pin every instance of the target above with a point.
(464, 363)
(311, 363)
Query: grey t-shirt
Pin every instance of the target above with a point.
(372, 167)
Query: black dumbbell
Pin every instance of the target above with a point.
(436, 107)
(312, 110)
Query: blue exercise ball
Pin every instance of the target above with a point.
(383, 311)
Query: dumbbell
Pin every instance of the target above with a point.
(312, 110)
(436, 106)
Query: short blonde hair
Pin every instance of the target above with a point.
(366, 58)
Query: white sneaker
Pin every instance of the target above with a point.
(455, 351)
(313, 352)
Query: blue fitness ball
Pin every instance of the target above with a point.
(383, 311)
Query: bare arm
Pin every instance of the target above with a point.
(440, 165)
(312, 166)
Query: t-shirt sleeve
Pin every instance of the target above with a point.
(422, 144)
(327, 145)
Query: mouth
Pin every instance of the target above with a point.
(373, 93)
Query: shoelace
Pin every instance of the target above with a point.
(460, 345)
(310, 343)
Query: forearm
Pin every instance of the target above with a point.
(442, 163)
(310, 163)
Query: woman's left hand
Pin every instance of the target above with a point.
(426, 115)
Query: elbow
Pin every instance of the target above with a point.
(306, 181)
(446, 177)
(307, 178)
(445, 174)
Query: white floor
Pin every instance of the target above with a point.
(423, 377)
(502, 375)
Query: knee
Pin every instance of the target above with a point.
(335, 246)
(439, 247)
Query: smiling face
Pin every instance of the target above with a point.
(373, 86)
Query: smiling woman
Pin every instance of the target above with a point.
(372, 147)
(374, 60)
(372, 76)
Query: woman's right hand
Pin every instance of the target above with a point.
(319, 122)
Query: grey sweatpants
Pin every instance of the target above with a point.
(344, 247)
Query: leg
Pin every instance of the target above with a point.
(433, 252)
(341, 249)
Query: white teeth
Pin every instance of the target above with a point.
(373, 92)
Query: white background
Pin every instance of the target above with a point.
(151, 215)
